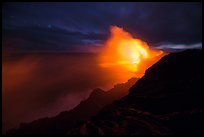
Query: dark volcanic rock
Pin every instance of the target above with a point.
(167, 100)
(65, 120)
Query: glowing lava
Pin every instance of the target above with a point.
(128, 54)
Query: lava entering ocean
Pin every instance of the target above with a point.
(130, 55)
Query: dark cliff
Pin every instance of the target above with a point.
(167, 100)
(87, 108)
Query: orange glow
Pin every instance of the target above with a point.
(127, 55)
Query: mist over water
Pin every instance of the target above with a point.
(37, 85)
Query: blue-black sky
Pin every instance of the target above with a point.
(70, 26)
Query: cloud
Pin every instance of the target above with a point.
(178, 47)
(75, 24)
(42, 38)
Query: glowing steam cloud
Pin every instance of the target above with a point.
(128, 54)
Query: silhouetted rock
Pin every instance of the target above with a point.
(167, 100)
(65, 120)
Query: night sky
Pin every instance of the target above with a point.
(78, 26)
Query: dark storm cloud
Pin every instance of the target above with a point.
(170, 22)
(50, 38)
(62, 26)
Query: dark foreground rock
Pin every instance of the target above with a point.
(167, 100)
(65, 120)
